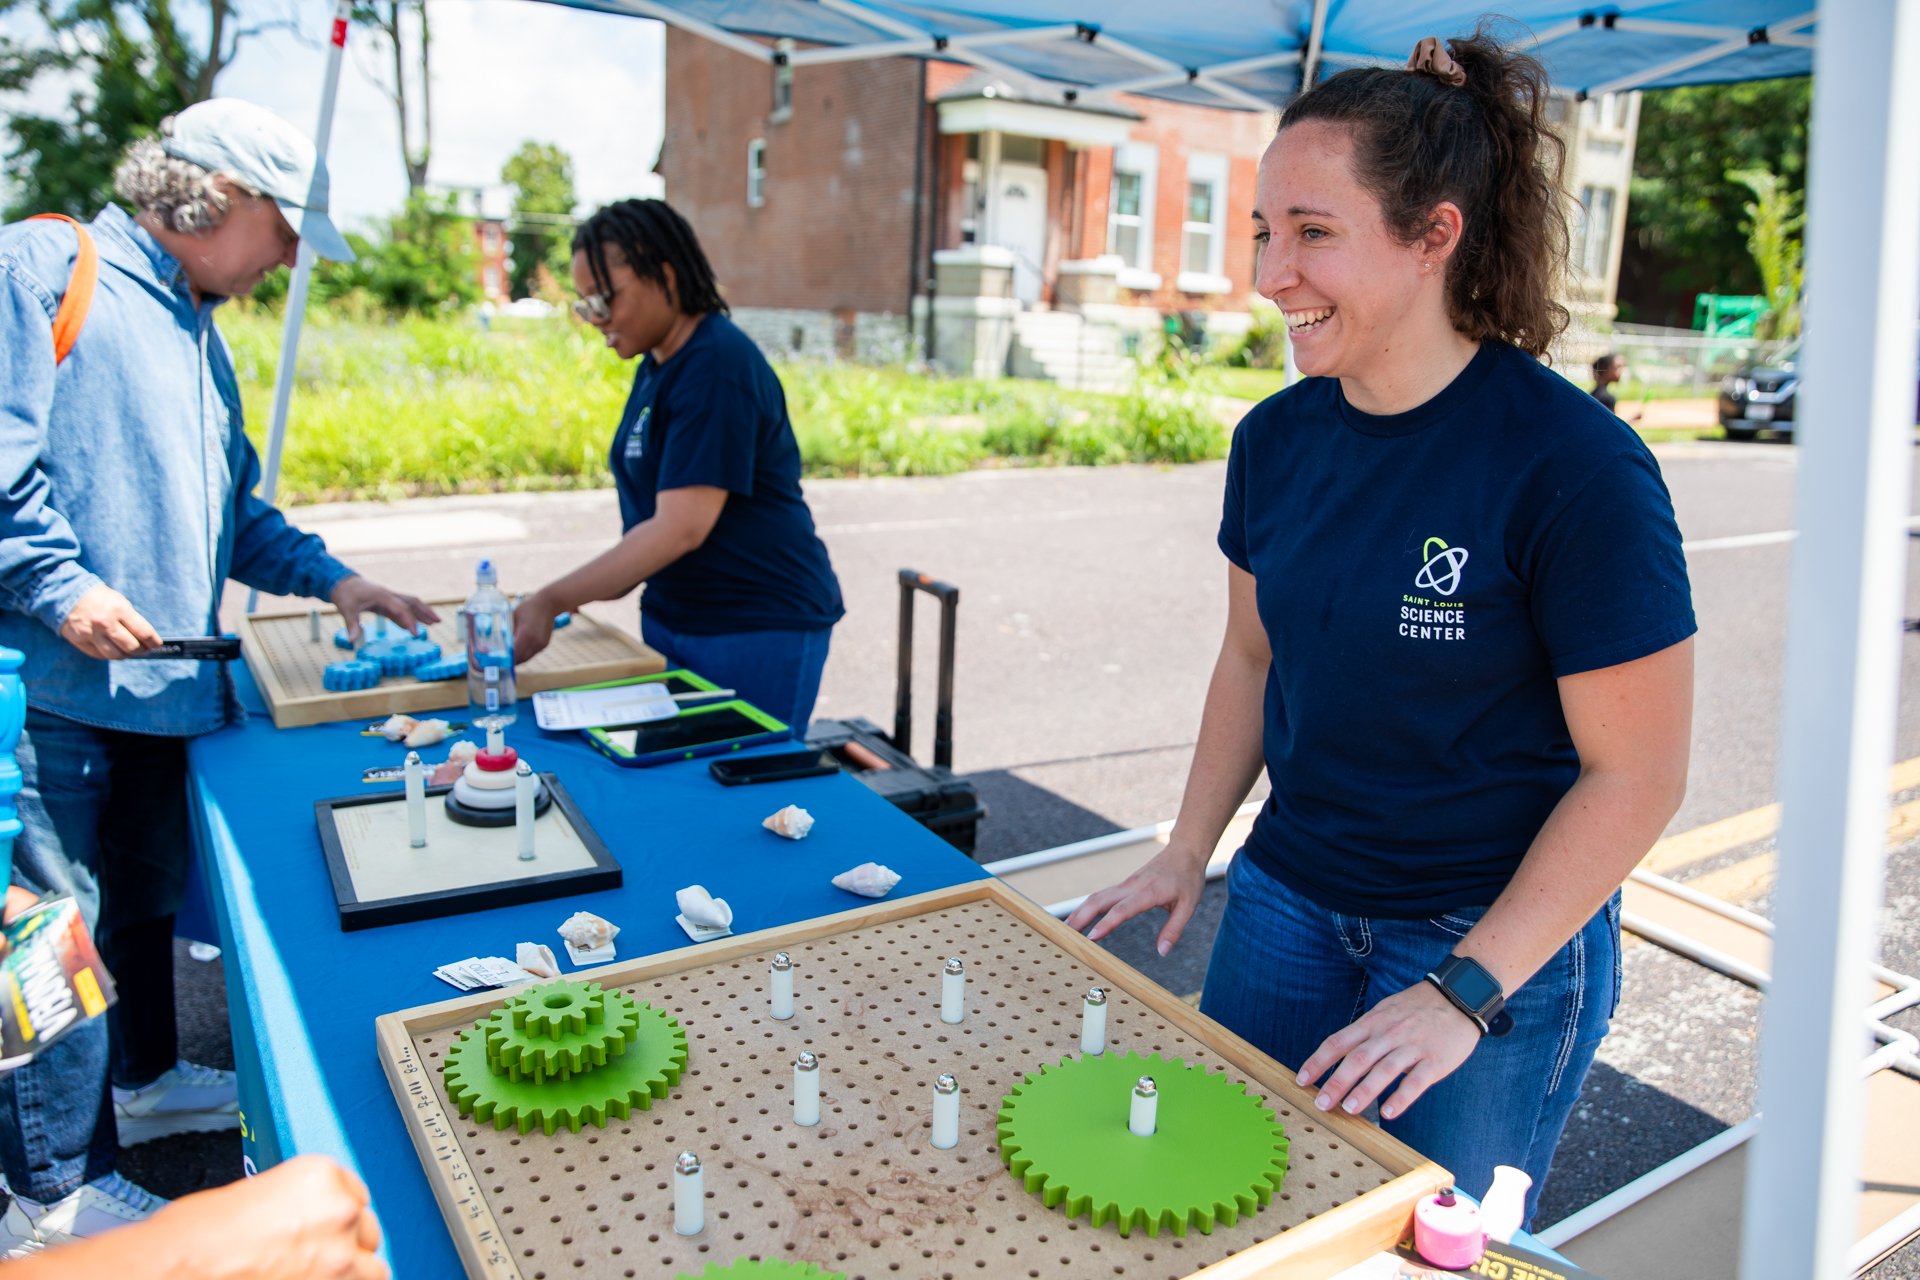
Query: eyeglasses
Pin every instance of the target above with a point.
(596, 308)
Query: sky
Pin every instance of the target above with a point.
(504, 72)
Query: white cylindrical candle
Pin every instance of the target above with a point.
(953, 991)
(806, 1091)
(416, 801)
(782, 986)
(689, 1196)
(946, 1113)
(525, 788)
(1144, 1116)
(1093, 1022)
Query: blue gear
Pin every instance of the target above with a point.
(398, 657)
(449, 666)
(343, 677)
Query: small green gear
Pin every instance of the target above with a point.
(776, 1268)
(564, 1053)
(1218, 1153)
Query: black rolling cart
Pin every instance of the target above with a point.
(947, 805)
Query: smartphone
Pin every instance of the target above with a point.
(736, 770)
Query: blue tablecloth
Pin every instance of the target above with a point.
(304, 995)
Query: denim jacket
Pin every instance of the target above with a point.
(127, 465)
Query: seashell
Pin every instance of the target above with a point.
(702, 908)
(869, 880)
(398, 726)
(793, 822)
(588, 931)
(537, 959)
(425, 733)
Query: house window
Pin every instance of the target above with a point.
(1594, 233)
(757, 173)
(970, 205)
(782, 82)
(1123, 218)
(1203, 226)
(1130, 209)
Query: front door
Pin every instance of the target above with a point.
(1019, 222)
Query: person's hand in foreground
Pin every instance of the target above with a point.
(1415, 1036)
(307, 1219)
(1173, 880)
(355, 595)
(103, 624)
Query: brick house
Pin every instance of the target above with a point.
(879, 208)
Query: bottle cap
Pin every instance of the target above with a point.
(484, 575)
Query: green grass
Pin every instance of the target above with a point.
(427, 406)
(1242, 384)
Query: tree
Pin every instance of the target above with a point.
(388, 19)
(1775, 220)
(136, 61)
(543, 200)
(1684, 218)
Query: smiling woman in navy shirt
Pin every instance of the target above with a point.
(738, 585)
(1458, 635)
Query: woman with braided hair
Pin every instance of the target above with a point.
(1458, 637)
(738, 585)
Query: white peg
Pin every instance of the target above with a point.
(525, 788)
(1093, 1022)
(689, 1196)
(416, 777)
(313, 625)
(953, 991)
(1143, 1117)
(946, 1113)
(806, 1090)
(782, 986)
(496, 732)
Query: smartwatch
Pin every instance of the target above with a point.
(1473, 991)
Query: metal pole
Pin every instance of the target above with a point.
(302, 274)
(1843, 632)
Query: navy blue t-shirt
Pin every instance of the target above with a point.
(1424, 578)
(715, 414)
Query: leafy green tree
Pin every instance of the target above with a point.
(543, 200)
(1685, 216)
(1775, 219)
(135, 62)
(391, 21)
(428, 260)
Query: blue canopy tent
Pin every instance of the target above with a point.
(1848, 575)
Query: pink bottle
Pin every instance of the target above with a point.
(1447, 1231)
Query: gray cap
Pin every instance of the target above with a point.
(257, 148)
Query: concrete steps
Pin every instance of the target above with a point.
(1062, 347)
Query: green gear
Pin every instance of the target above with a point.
(564, 1053)
(778, 1269)
(1218, 1153)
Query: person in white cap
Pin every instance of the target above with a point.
(126, 502)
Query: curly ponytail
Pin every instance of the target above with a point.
(1487, 147)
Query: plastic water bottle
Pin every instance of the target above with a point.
(489, 627)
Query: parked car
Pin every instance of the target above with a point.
(1761, 397)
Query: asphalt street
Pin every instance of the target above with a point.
(1091, 608)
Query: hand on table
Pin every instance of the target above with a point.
(1174, 880)
(103, 624)
(533, 626)
(1415, 1036)
(355, 595)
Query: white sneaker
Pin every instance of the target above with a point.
(187, 1098)
(97, 1207)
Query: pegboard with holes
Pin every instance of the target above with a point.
(286, 652)
(865, 1193)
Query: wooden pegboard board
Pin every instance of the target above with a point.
(865, 1193)
(286, 663)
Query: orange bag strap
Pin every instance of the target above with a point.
(72, 315)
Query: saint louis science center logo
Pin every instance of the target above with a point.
(1441, 573)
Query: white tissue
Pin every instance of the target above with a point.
(702, 908)
(869, 880)
(793, 822)
(537, 959)
(586, 931)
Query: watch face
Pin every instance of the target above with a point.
(1471, 983)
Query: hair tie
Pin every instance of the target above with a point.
(1431, 56)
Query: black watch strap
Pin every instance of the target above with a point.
(1475, 992)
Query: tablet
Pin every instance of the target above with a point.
(700, 730)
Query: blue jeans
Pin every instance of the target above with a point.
(777, 671)
(1287, 973)
(105, 819)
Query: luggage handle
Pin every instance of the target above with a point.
(949, 598)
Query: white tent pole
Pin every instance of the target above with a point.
(302, 275)
(1843, 636)
(1316, 40)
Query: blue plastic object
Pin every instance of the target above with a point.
(13, 719)
(398, 657)
(451, 666)
(343, 677)
(561, 619)
(375, 632)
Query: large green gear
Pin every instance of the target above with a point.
(564, 1053)
(1217, 1152)
(775, 1268)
